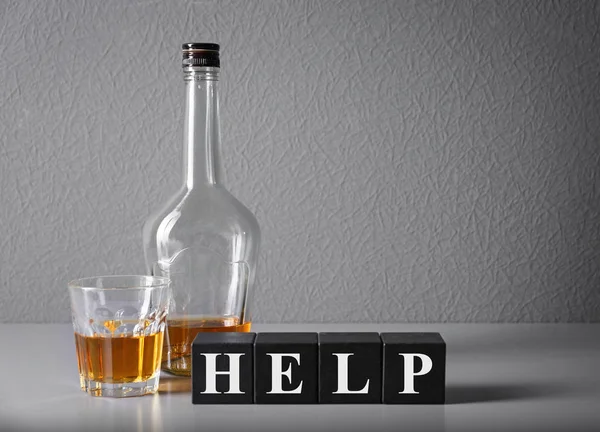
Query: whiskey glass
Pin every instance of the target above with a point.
(119, 324)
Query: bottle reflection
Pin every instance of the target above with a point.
(174, 384)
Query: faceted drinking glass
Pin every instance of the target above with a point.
(119, 324)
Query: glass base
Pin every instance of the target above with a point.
(120, 390)
(181, 366)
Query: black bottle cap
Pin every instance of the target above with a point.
(200, 54)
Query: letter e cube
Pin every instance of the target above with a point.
(286, 368)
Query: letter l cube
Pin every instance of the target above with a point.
(349, 368)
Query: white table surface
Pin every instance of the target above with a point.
(500, 377)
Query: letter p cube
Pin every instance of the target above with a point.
(414, 368)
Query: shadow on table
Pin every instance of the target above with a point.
(478, 393)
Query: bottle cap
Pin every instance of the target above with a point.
(200, 54)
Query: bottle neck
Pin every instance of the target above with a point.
(202, 134)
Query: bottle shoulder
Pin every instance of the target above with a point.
(208, 208)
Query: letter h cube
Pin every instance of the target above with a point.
(222, 368)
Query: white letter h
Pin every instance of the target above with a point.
(233, 372)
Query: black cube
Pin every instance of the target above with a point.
(285, 368)
(350, 368)
(414, 368)
(222, 368)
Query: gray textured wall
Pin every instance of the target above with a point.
(407, 161)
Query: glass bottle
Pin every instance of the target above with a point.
(203, 239)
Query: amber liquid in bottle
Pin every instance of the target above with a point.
(180, 333)
(118, 358)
